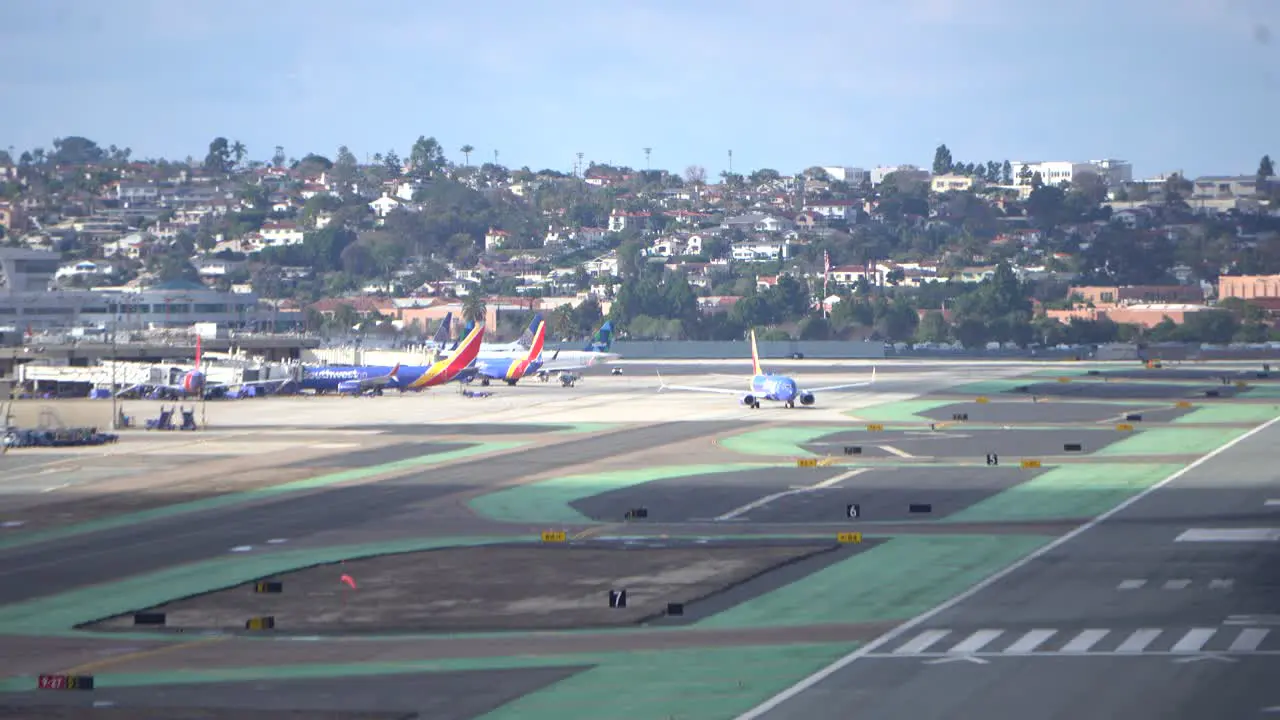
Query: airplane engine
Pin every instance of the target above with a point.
(349, 386)
(807, 399)
(750, 401)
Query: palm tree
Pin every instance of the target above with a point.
(466, 151)
(238, 151)
(473, 309)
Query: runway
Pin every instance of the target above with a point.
(1124, 604)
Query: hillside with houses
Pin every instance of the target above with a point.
(1009, 251)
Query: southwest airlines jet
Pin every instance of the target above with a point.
(372, 378)
(767, 386)
(510, 369)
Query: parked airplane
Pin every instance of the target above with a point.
(511, 369)
(358, 379)
(767, 386)
(566, 362)
(518, 347)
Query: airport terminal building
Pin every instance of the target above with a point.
(26, 300)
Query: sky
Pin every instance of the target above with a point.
(1169, 85)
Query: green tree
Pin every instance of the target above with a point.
(942, 161)
(933, 328)
(1006, 173)
(426, 158)
(345, 169)
(474, 309)
(466, 151)
(278, 158)
(76, 150)
(218, 159)
(238, 151)
(1266, 171)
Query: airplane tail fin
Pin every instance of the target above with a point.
(394, 374)
(469, 348)
(466, 333)
(602, 340)
(442, 333)
(526, 338)
(755, 356)
(199, 353)
(539, 339)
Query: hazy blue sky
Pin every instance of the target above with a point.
(1166, 84)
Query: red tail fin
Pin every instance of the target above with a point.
(199, 352)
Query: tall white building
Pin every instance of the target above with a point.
(1112, 172)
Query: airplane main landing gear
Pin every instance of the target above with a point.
(791, 403)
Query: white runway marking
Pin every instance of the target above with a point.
(242, 548)
(770, 498)
(896, 451)
(1177, 584)
(1131, 584)
(871, 647)
(1229, 535)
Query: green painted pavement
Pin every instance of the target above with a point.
(236, 498)
(902, 411)
(898, 579)
(711, 684)
(310, 671)
(57, 614)
(1172, 441)
(989, 387)
(548, 501)
(779, 441)
(1230, 413)
(1066, 491)
(1262, 391)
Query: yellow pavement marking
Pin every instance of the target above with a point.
(152, 652)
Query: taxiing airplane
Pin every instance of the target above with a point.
(359, 379)
(767, 386)
(510, 369)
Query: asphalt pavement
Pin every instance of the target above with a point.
(51, 567)
(1165, 609)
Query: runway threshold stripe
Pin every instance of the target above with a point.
(1229, 535)
(1085, 640)
(922, 642)
(1194, 640)
(1139, 640)
(976, 641)
(1249, 639)
(1030, 641)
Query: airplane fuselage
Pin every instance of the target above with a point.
(330, 378)
(775, 387)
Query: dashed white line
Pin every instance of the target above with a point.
(242, 548)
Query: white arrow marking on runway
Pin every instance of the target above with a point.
(956, 658)
(1221, 584)
(895, 451)
(770, 498)
(1198, 658)
(1176, 584)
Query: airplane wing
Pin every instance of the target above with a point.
(662, 385)
(380, 380)
(845, 386)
